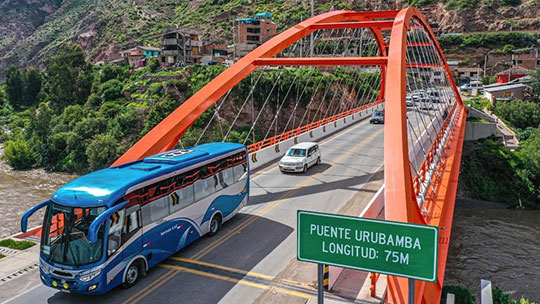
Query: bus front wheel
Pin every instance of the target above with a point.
(132, 275)
(215, 225)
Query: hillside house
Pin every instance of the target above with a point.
(249, 33)
(181, 46)
(528, 61)
(139, 54)
(512, 73)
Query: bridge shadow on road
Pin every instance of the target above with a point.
(242, 243)
(349, 183)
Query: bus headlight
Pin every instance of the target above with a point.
(89, 277)
(44, 268)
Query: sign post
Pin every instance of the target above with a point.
(320, 289)
(393, 248)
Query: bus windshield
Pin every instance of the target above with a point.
(296, 152)
(65, 235)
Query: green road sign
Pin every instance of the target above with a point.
(394, 248)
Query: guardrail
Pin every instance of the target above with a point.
(266, 151)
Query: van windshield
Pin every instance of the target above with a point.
(296, 152)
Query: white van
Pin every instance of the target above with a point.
(472, 86)
(300, 157)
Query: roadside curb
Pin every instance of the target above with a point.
(17, 262)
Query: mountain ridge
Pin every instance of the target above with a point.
(32, 29)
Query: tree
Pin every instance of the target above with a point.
(19, 155)
(111, 90)
(530, 156)
(69, 77)
(14, 87)
(153, 64)
(535, 84)
(23, 87)
(2, 96)
(32, 87)
(101, 151)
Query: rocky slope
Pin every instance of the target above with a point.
(30, 30)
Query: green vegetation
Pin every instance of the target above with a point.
(478, 102)
(475, 119)
(18, 245)
(504, 41)
(520, 114)
(2, 256)
(462, 294)
(492, 172)
(90, 115)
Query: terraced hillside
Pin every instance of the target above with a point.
(33, 29)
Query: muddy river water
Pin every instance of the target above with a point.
(492, 243)
(20, 190)
(488, 242)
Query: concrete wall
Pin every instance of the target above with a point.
(477, 130)
(271, 153)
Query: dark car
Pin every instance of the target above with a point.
(377, 117)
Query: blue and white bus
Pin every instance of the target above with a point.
(107, 228)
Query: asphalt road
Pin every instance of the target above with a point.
(253, 258)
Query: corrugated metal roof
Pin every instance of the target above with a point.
(505, 87)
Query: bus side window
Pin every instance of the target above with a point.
(155, 210)
(184, 197)
(217, 185)
(204, 188)
(115, 232)
(227, 177)
(132, 223)
(239, 171)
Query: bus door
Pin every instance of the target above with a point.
(157, 230)
(130, 232)
(123, 228)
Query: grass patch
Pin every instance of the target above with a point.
(2, 256)
(18, 245)
(475, 119)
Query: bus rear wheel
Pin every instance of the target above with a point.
(215, 225)
(132, 275)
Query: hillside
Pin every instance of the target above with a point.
(32, 29)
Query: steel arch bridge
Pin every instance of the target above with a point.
(417, 189)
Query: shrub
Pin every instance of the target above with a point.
(519, 114)
(18, 245)
(153, 64)
(101, 151)
(19, 155)
(462, 295)
(508, 48)
(111, 90)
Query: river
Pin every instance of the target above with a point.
(497, 244)
(20, 190)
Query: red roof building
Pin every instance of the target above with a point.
(511, 74)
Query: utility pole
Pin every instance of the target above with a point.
(311, 35)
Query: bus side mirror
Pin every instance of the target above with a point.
(94, 227)
(28, 213)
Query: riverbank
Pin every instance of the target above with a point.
(497, 244)
(20, 190)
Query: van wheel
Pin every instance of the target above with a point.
(215, 225)
(318, 160)
(305, 169)
(132, 275)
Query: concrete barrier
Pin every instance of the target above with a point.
(271, 153)
(476, 130)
